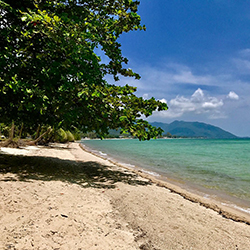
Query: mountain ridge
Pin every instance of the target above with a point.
(194, 129)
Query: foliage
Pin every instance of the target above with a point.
(61, 136)
(50, 74)
(169, 135)
(70, 136)
(4, 130)
(76, 133)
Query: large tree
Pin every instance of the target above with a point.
(50, 71)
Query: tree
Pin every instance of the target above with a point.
(51, 74)
(169, 135)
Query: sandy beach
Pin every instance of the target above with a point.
(63, 197)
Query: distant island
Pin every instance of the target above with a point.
(178, 129)
(193, 130)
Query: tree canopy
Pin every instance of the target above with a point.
(51, 73)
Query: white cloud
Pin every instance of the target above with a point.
(242, 65)
(165, 79)
(213, 104)
(232, 95)
(198, 103)
(245, 52)
(242, 62)
(174, 74)
(197, 96)
(163, 100)
(172, 78)
(187, 76)
(206, 101)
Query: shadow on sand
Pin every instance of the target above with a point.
(86, 174)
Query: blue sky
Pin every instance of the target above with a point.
(195, 55)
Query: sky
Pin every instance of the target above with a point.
(195, 56)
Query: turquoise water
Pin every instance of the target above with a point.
(221, 167)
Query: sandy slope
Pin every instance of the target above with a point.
(103, 210)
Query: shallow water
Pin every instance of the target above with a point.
(221, 167)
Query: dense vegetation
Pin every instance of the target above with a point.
(51, 75)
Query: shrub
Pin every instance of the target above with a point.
(61, 136)
(70, 136)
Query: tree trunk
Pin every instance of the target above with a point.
(11, 136)
(39, 138)
(21, 130)
(37, 132)
(12, 131)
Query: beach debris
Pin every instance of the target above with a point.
(65, 216)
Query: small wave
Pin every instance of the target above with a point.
(127, 165)
(150, 172)
(206, 196)
(246, 210)
(101, 153)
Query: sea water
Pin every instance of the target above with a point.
(218, 168)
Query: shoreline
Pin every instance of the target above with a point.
(64, 197)
(223, 193)
(219, 206)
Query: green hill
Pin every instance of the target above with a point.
(194, 129)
